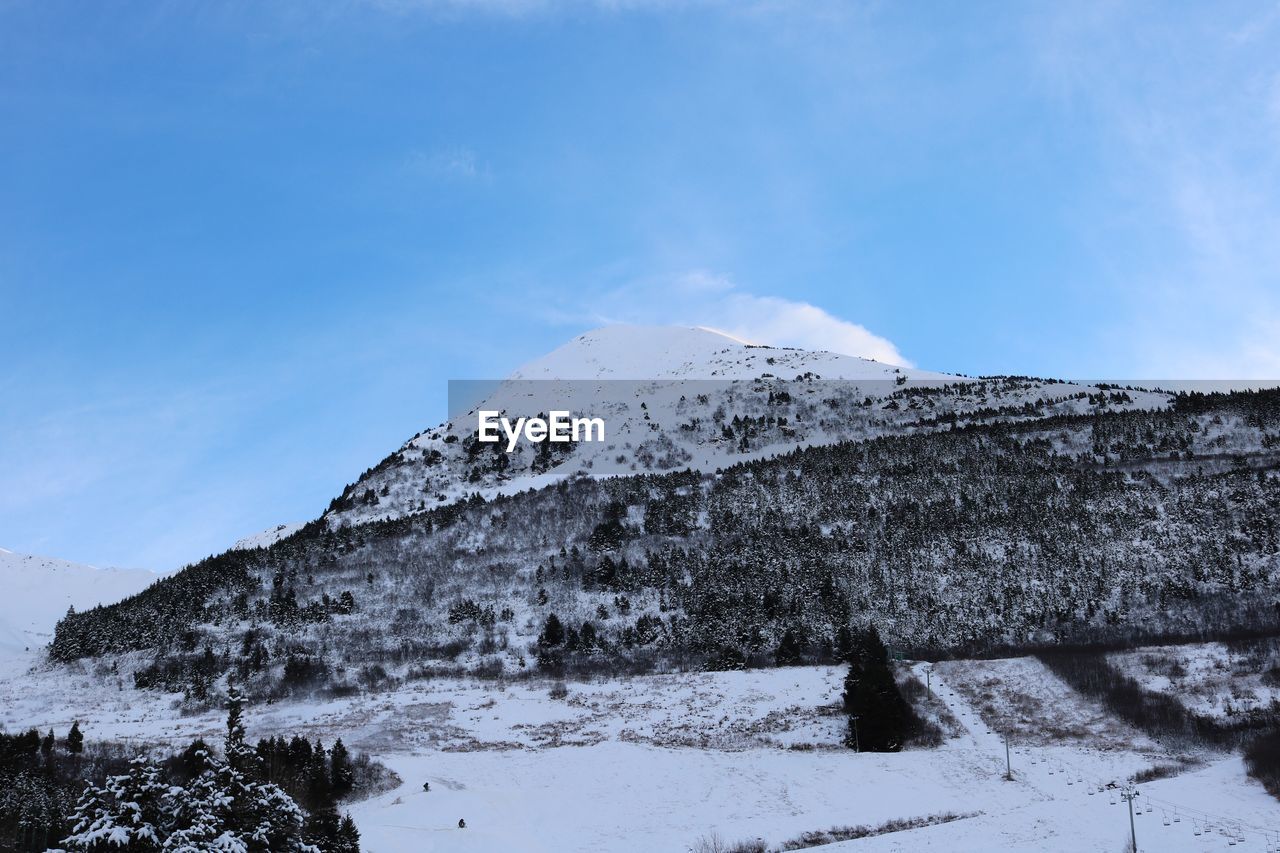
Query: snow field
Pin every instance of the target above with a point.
(1217, 680)
(654, 763)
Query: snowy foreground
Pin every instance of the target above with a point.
(656, 763)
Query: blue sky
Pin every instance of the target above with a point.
(243, 246)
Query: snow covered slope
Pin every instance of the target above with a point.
(676, 398)
(38, 591)
(268, 537)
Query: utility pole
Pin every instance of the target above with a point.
(857, 747)
(1128, 794)
(1008, 763)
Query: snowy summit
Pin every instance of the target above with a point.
(681, 352)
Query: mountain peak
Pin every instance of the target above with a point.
(692, 352)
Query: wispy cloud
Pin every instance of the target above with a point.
(1187, 108)
(453, 163)
(823, 9)
(111, 454)
(701, 298)
(506, 8)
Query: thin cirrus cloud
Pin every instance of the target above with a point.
(1192, 160)
(455, 163)
(700, 298)
(526, 7)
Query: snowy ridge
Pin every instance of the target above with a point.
(268, 537)
(674, 352)
(674, 398)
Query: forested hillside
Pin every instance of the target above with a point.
(657, 426)
(1103, 527)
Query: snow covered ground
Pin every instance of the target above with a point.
(1059, 798)
(655, 763)
(1021, 696)
(1219, 680)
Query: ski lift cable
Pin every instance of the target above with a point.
(1224, 820)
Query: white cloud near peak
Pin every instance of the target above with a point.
(702, 298)
(782, 322)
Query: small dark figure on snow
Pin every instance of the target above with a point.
(462, 824)
(426, 786)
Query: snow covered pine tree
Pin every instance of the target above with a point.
(219, 809)
(224, 807)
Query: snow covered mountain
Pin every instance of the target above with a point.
(865, 484)
(38, 591)
(743, 517)
(674, 398)
(987, 514)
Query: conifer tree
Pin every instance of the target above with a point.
(239, 754)
(319, 790)
(880, 720)
(75, 739)
(127, 812)
(341, 773)
(788, 653)
(218, 808)
(348, 837)
(552, 632)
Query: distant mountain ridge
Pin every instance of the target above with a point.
(1004, 531)
(38, 591)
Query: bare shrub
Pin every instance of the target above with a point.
(371, 778)
(713, 843)
(1262, 760)
(709, 843)
(849, 833)
(1157, 771)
